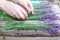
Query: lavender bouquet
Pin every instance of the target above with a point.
(45, 18)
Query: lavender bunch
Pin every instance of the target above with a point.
(51, 12)
(51, 15)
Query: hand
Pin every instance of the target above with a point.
(14, 10)
(26, 4)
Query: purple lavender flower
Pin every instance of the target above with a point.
(49, 16)
(52, 29)
(45, 5)
(50, 0)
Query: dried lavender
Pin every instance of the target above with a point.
(46, 14)
(50, 17)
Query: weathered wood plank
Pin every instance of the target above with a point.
(2, 38)
(32, 38)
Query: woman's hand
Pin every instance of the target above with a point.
(25, 4)
(17, 9)
(14, 10)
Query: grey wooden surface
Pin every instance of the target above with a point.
(32, 38)
(29, 38)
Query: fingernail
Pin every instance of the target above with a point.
(18, 18)
(29, 10)
(32, 12)
(23, 17)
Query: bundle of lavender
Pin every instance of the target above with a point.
(46, 17)
(52, 16)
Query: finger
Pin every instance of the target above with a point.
(31, 7)
(24, 12)
(14, 11)
(11, 14)
(25, 6)
(18, 12)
